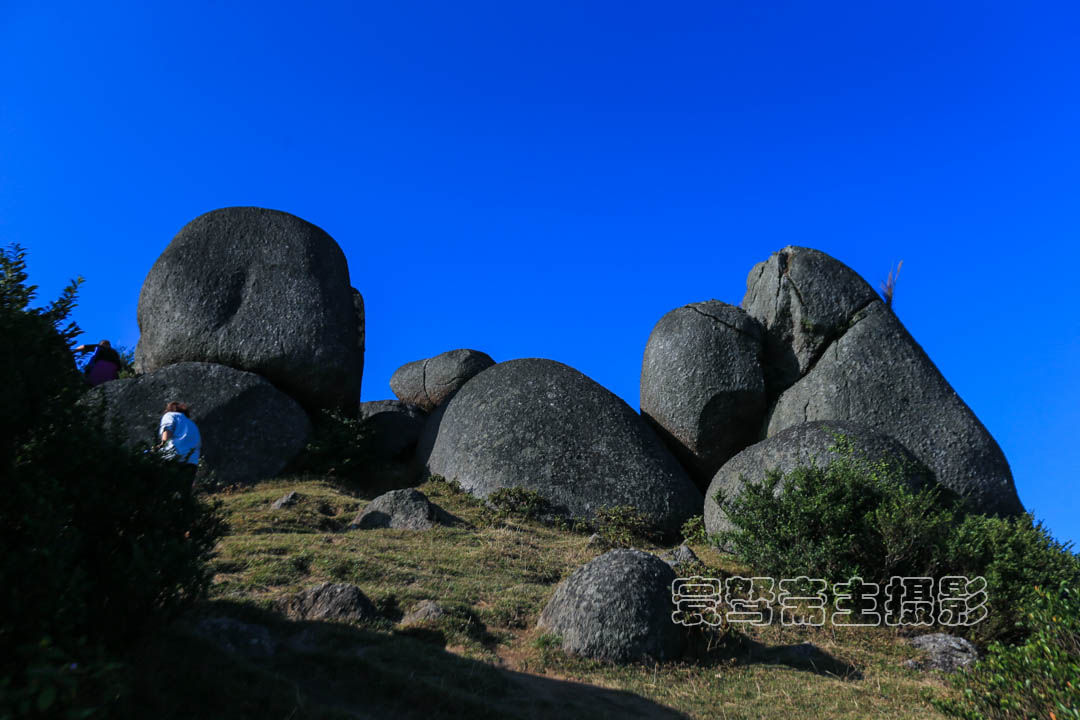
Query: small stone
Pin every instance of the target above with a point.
(287, 500)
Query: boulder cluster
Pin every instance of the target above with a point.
(249, 316)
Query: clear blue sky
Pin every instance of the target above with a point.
(548, 179)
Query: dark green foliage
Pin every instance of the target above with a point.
(853, 518)
(519, 502)
(1014, 555)
(623, 526)
(693, 530)
(100, 543)
(340, 446)
(1038, 678)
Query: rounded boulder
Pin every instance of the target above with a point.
(543, 426)
(617, 608)
(429, 382)
(249, 429)
(815, 443)
(702, 385)
(257, 290)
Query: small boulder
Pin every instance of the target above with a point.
(802, 446)
(287, 500)
(331, 601)
(424, 612)
(679, 557)
(617, 607)
(257, 290)
(430, 382)
(944, 652)
(540, 425)
(406, 509)
(249, 429)
(702, 385)
(393, 428)
(238, 637)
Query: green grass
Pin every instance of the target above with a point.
(492, 573)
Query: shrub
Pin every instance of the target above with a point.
(623, 526)
(519, 502)
(853, 518)
(693, 530)
(1038, 678)
(339, 446)
(101, 542)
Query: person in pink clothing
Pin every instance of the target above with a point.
(104, 365)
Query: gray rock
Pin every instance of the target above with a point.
(680, 556)
(393, 428)
(617, 607)
(543, 426)
(287, 500)
(804, 299)
(249, 429)
(702, 385)
(406, 509)
(947, 653)
(331, 601)
(424, 612)
(238, 637)
(802, 446)
(258, 290)
(430, 382)
(875, 374)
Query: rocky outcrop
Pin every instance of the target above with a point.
(543, 426)
(430, 382)
(257, 290)
(702, 385)
(617, 607)
(331, 601)
(838, 353)
(249, 429)
(804, 445)
(405, 509)
(943, 652)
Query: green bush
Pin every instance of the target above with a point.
(1038, 678)
(623, 526)
(855, 518)
(101, 543)
(519, 502)
(340, 446)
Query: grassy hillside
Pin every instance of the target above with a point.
(484, 657)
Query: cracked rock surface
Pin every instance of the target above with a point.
(257, 290)
(802, 446)
(543, 426)
(804, 299)
(617, 607)
(702, 384)
(429, 382)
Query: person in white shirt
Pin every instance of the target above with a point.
(180, 439)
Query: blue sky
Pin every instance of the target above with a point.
(548, 179)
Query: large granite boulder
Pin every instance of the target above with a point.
(815, 443)
(543, 426)
(804, 299)
(392, 428)
(702, 385)
(429, 382)
(618, 608)
(257, 290)
(249, 429)
(876, 375)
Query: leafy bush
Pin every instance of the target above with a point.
(339, 446)
(1038, 678)
(693, 530)
(623, 526)
(101, 542)
(519, 502)
(855, 518)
